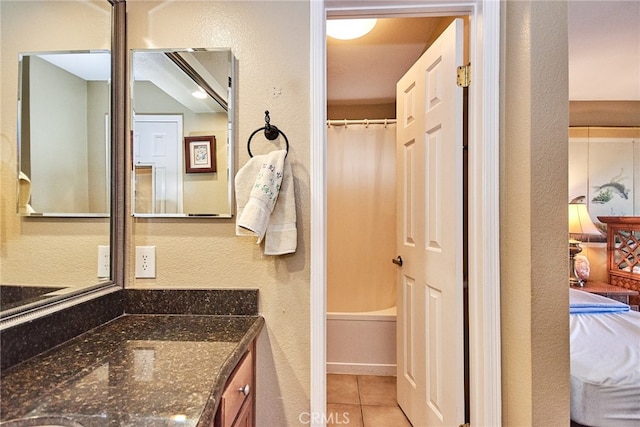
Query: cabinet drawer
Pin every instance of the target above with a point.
(241, 381)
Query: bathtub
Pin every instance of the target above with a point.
(362, 343)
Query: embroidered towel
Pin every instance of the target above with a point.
(260, 183)
(282, 235)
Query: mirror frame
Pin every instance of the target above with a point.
(29, 312)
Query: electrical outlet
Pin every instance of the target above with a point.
(145, 262)
(143, 363)
(104, 262)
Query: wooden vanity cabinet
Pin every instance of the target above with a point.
(237, 404)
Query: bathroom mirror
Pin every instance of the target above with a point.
(182, 132)
(64, 152)
(51, 256)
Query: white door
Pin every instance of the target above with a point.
(157, 143)
(429, 153)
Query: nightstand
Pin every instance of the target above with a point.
(614, 292)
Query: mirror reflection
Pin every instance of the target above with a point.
(64, 152)
(44, 257)
(182, 132)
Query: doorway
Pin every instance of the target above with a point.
(157, 157)
(361, 210)
(483, 206)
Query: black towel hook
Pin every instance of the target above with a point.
(271, 132)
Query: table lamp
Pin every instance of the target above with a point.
(580, 226)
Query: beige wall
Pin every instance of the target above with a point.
(67, 164)
(271, 42)
(604, 113)
(356, 112)
(533, 176)
(99, 106)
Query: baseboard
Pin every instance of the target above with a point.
(361, 369)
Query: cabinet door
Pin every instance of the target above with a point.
(237, 400)
(245, 417)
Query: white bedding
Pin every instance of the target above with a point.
(605, 364)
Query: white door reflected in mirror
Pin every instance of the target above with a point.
(158, 163)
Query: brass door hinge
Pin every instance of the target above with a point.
(465, 425)
(464, 75)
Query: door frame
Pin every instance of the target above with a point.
(483, 203)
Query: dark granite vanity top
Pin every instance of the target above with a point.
(137, 370)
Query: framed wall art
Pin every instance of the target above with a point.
(200, 154)
(603, 164)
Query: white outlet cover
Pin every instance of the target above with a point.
(104, 262)
(145, 262)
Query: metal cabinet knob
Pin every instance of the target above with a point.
(245, 390)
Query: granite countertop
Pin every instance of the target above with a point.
(137, 370)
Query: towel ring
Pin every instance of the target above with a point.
(271, 132)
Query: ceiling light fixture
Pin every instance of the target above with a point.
(200, 93)
(347, 29)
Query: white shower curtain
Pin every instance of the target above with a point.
(361, 217)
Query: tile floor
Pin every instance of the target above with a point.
(363, 401)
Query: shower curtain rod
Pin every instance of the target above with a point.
(346, 122)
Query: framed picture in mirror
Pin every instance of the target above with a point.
(200, 154)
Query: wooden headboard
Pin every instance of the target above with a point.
(623, 252)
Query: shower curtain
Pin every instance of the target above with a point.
(361, 217)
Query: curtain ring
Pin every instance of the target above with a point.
(366, 123)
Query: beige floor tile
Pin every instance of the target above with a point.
(384, 416)
(342, 389)
(377, 390)
(341, 415)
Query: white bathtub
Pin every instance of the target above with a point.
(362, 343)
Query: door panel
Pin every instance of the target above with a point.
(434, 380)
(433, 189)
(408, 193)
(408, 334)
(158, 144)
(429, 155)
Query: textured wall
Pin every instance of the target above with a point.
(271, 42)
(534, 258)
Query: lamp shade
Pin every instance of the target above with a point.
(580, 221)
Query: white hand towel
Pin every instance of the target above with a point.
(264, 193)
(260, 183)
(282, 235)
(244, 180)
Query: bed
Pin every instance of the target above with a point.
(605, 361)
